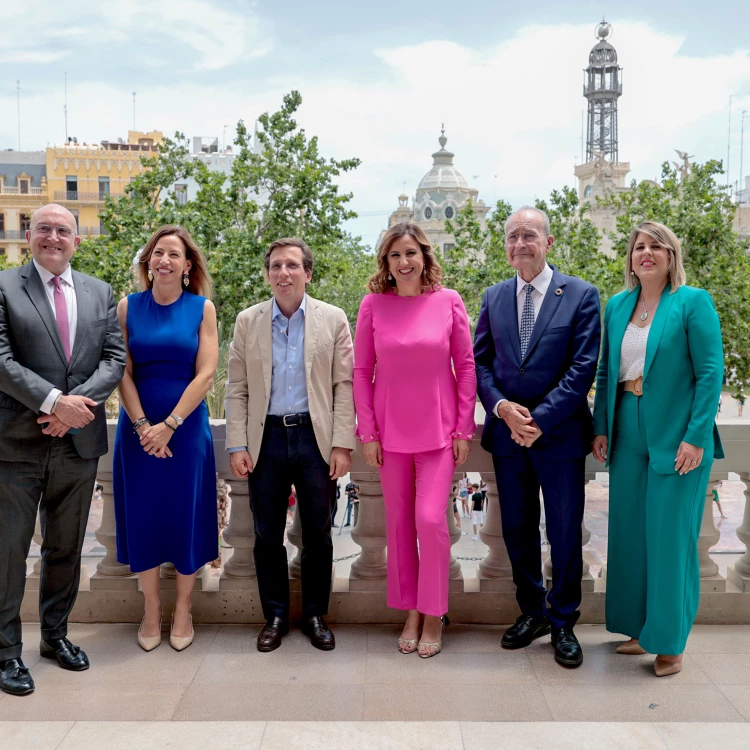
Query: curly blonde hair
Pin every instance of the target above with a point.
(382, 281)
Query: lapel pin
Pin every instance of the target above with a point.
(558, 292)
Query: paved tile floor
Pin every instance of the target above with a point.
(365, 694)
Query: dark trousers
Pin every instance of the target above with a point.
(563, 483)
(290, 456)
(60, 485)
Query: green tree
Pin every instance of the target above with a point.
(282, 188)
(699, 211)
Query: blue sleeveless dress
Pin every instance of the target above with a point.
(165, 508)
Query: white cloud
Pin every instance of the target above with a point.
(216, 36)
(512, 110)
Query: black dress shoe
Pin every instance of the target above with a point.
(568, 651)
(269, 639)
(319, 633)
(15, 678)
(65, 654)
(525, 630)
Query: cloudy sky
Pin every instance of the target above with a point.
(378, 79)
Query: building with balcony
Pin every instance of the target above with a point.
(81, 175)
(23, 189)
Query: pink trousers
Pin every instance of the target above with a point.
(416, 489)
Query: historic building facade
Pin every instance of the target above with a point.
(441, 194)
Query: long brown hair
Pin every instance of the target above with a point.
(200, 281)
(431, 274)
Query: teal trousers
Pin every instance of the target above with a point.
(653, 577)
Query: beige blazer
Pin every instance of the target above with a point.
(328, 370)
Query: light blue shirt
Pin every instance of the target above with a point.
(288, 381)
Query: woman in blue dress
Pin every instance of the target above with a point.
(164, 468)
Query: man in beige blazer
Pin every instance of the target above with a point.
(290, 421)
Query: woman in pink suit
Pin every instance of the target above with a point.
(414, 391)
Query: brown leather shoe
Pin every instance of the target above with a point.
(319, 633)
(273, 631)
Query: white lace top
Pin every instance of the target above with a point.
(633, 352)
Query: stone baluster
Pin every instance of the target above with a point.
(369, 570)
(455, 574)
(495, 572)
(110, 574)
(32, 579)
(239, 569)
(294, 535)
(708, 537)
(739, 573)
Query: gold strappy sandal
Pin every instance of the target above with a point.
(408, 641)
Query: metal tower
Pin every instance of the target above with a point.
(602, 86)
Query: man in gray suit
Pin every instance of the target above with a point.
(61, 356)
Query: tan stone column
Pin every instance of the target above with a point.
(369, 570)
(739, 573)
(494, 571)
(110, 575)
(708, 537)
(239, 569)
(455, 574)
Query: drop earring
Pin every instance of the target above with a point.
(185, 280)
(390, 276)
(150, 275)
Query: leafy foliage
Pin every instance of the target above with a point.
(280, 186)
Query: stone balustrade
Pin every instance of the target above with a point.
(111, 594)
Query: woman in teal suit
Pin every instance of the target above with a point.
(658, 384)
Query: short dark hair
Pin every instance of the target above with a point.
(307, 256)
(475, 486)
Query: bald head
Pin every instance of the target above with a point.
(54, 213)
(53, 237)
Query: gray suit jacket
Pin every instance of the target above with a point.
(32, 361)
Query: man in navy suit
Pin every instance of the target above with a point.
(536, 349)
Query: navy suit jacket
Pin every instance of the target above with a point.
(553, 379)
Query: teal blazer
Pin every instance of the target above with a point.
(682, 376)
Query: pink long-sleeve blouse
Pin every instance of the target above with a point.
(406, 351)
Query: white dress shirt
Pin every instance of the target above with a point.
(541, 284)
(69, 290)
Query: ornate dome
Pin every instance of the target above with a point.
(443, 174)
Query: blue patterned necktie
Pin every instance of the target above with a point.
(527, 320)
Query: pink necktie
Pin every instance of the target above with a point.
(61, 314)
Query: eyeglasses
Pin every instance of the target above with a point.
(64, 233)
(291, 267)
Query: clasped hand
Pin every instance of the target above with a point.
(523, 429)
(154, 439)
(70, 411)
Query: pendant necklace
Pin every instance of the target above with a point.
(644, 314)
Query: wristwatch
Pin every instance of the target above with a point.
(178, 420)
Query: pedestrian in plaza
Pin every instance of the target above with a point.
(414, 390)
(463, 494)
(352, 502)
(164, 472)
(536, 347)
(456, 514)
(661, 337)
(477, 511)
(716, 499)
(335, 507)
(61, 356)
(290, 420)
(740, 403)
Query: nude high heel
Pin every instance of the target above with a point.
(149, 643)
(631, 647)
(664, 668)
(180, 644)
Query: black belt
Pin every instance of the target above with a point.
(289, 420)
